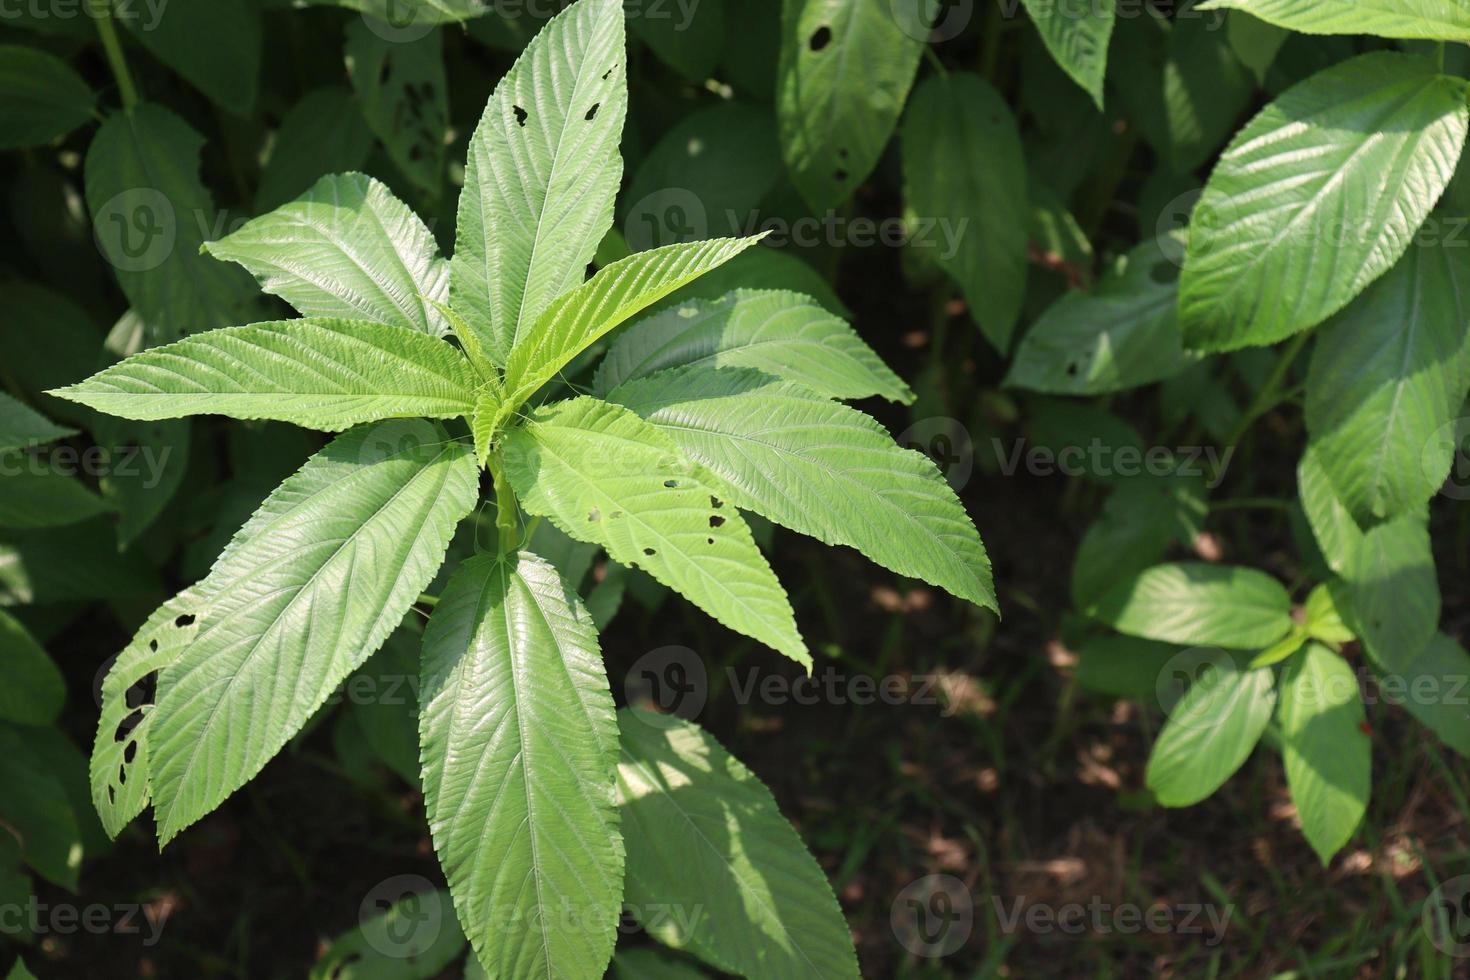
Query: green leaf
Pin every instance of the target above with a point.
(324, 374)
(1196, 603)
(1139, 521)
(420, 14)
(323, 133)
(34, 493)
(541, 175)
(1375, 138)
(1435, 20)
(346, 248)
(19, 972)
(1077, 38)
(1433, 688)
(158, 458)
(520, 752)
(414, 938)
(761, 268)
(404, 95)
(615, 294)
(120, 780)
(706, 177)
(79, 562)
(150, 214)
(818, 467)
(1281, 649)
(1210, 732)
(844, 75)
(41, 98)
(1328, 757)
(706, 839)
(1181, 84)
(689, 39)
(1121, 335)
(1324, 621)
(652, 964)
(603, 475)
(22, 427)
(32, 689)
(1123, 666)
(73, 347)
(389, 715)
(215, 44)
(965, 171)
(1255, 42)
(37, 809)
(344, 547)
(1394, 592)
(1387, 374)
(782, 334)
(1337, 533)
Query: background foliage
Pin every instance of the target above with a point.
(997, 197)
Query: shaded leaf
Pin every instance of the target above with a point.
(964, 169)
(1327, 754)
(41, 98)
(706, 839)
(1386, 375)
(782, 334)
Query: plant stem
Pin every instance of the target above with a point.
(107, 31)
(425, 599)
(990, 50)
(506, 525)
(935, 63)
(1266, 398)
